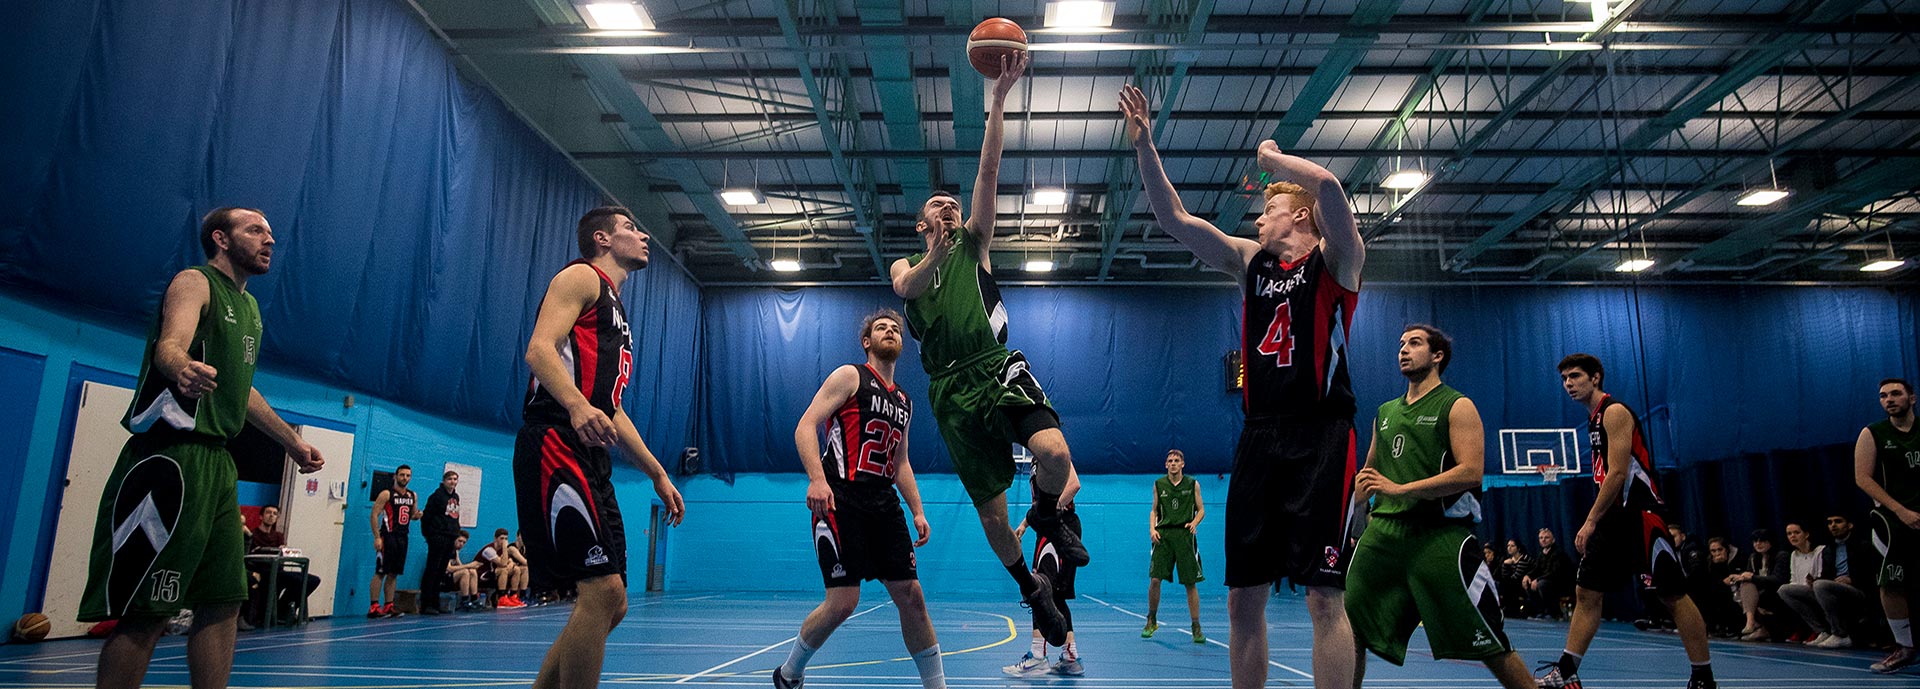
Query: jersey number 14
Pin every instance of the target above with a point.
(1278, 342)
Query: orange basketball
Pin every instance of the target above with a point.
(31, 627)
(991, 40)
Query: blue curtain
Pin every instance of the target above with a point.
(418, 220)
(1713, 372)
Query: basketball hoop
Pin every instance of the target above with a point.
(1549, 473)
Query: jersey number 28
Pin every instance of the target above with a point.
(1278, 342)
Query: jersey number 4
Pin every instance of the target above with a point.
(881, 439)
(1279, 340)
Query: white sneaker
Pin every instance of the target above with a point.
(1834, 642)
(1819, 639)
(1068, 666)
(1028, 666)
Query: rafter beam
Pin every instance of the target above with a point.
(1408, 110)
(665, 73)
(899, 101)
(1864, 186)
(1325, 116)
(790, 29)
(1122, 187)
(1106, 154)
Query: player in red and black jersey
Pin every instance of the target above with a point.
(1290, 499)
(1625, 534)
(859, 531)
(393, 510)
(581, 356)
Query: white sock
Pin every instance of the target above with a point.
(932, 675)
(1072, 651)
(796, 665)
(1039, 647)
(1902, 631)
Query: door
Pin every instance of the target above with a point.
(97, 439)
(314, 508)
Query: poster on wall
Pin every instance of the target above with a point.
(469, 491)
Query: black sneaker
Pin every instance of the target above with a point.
(1702, 683)
(1046, 617)
(780, 680)
(1899, 658)
(1073, 553)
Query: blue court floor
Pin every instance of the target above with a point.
(733, 640)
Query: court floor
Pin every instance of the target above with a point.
(733, 640)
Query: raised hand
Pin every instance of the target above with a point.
(1133, 110)
(1011, 67)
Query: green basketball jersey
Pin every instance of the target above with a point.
(1896, 459)
(228, 339)
(1411, 443)
(960, 316)
(1176, 501)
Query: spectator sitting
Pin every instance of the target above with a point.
(1551, 578)
(1803, 568)
(499, 570)
(517, 551)
(1834, 601)
(269, 539)
(462, 577)
(1766, 570)
(1717, 602)
(1507, 576)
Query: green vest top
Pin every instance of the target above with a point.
(1896, 462)
(1411, 442)
(1176, 502)
(226, 338)
(960, 316)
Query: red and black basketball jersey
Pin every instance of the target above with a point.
(399, 511)
(864, 432)
(1641, 492)
(1294, 339)
(599, 354)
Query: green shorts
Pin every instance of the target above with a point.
(1176, 550)
(984, 405)
(1404, 574)
(168, 535)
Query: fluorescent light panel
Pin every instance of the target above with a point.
(1079, 14)
(1634, 265)
(1405, 179)
(1762, 197)
(1039, 266)
(784, 265)
(1882, 266)
(1049, 197)
(628, 16)
(740, 197)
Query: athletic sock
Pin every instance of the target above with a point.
(1018, 570)
(1902, 631)
(1072, 651)
(932, 675)
(1039, 647)
(796, 665)
(1703, 671)
(1569, 663)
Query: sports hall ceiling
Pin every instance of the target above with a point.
(1555, 146)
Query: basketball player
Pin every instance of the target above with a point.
(1418, 561)
(1171, 524)
(1289, 502)
(983, 396)
(1047, 561)
(581, 354)
(168, 535)
(393, 510)
(1625, 533)
(858, 530)
(1886, 466)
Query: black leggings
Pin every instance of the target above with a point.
(1061, 603)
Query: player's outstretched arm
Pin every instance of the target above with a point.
(1339, 232)
(1219, 250)
(986, 182)
(910, 491)
(568, 294)
(838, 388)
(635, 449)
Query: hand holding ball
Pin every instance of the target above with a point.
(993, 40)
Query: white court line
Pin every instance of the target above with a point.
(1216, 642)
(774, 645)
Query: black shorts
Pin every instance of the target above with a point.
(864, 537)
(1631, 544)
(1047, 560)
(564, 490)
(1289, 503)
(391, 560)
(1899, 548)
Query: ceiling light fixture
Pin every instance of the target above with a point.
(784, 265)
(1079, 14)
(741, 197)
(1405, 179)
(1763, 197)
(618, 16)
(1882, 265)
(1633, 265)
(1039, 266)
(1049, 197)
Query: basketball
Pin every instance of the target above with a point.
(32, 627)
(994, 39)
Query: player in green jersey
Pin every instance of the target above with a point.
(168, 535)
(1418, 561)
(1886, 466)
(982, 394)
(1171, 523)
